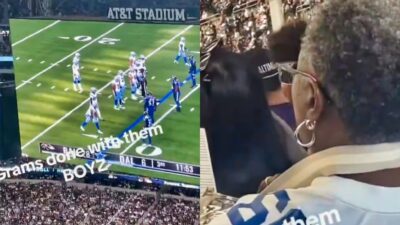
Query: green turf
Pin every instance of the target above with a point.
(43, 102)
(30, 27)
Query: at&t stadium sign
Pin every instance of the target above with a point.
(172, 15)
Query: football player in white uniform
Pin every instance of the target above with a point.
(134, 83)
(142, 62)
(132, 60)
(116, 89)
(123, 87)
(76, 73)
(77, 59)
(181, 51)
(93, 113)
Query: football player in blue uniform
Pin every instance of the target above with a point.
(150, 105)
(148, 122)
(176, 91)
(192, 70)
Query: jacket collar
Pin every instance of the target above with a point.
(351, 159)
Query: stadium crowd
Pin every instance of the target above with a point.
(43, 198)
(238, 26)
(53, 203)
(244, 24)
(171, 211)
(5, 43)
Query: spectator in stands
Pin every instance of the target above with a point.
(244, 140)
(50, 203)
(347, 104)
(260, 62)
(237, 24)
(173, 211)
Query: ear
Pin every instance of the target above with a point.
(315, 101)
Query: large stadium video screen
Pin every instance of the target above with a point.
(122, 91)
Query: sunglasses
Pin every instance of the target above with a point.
(287, 72)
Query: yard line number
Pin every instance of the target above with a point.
(103, 41)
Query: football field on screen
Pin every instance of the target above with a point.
(50, 111)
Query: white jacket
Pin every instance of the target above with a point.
(309, 193)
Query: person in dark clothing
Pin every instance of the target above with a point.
(245, 142)
(259, 62)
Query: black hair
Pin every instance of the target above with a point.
(354, 47)
(244, 143)
(285, 44)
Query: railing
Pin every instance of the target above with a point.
(237, 9)
(306, 9)
(303, 8)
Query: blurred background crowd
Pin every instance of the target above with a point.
(30, 202)
(43, 198)
(5, 43)
(245, 24)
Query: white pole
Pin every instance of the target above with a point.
(276, 12)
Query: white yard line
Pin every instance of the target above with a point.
(68, 56)
(94, 136)
(100, 90)
(162, 117)
(37, 32)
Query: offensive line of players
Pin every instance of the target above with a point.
(137, 76)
